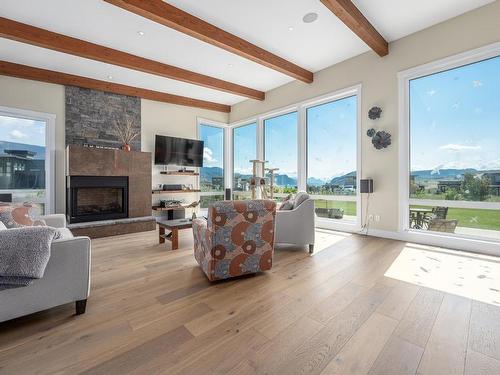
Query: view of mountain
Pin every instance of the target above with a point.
(38, 150)
(207, 173)
(347, 179)
(312, 181)
(444, 174)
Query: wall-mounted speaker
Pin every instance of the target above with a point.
(366, 186)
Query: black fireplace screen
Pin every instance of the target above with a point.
(94, 198)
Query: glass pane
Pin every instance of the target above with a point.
(332, 158)
(212, 172)
(206, 200)
(280, 136)
(455, 147)
(22, 161)
(244, 150)
(466, 221)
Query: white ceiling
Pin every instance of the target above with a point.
(263, 22)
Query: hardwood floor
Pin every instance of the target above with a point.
(152, 311)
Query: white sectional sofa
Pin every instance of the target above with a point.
(66, 278)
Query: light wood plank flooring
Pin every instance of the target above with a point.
(152, 311)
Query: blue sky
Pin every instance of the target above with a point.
(331, 138)
(331, 141)
(280, 135)
(455, 118)
(213, 138)
(245, 148)
(22, 131)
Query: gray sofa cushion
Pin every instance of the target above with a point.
(63, 234)
(287, 203)
(301, 197)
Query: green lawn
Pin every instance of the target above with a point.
(474, 218)
(348, 207)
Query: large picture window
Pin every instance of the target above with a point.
(212, 172)
(244, 150)
(25, 165)
(454, 150)
(332, 158)
(280, 151)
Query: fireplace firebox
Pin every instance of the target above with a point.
(95, 198)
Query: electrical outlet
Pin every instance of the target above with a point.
(377, 217)
(370, 217)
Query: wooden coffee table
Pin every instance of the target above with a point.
(173, 226)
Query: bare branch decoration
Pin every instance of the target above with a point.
(125, 130)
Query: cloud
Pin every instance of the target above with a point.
(431, 92)
(477, 83)
(455, 148)
(17, 134)
(208, 155)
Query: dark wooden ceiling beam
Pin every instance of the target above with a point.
(175, 18)
(49, 76)
(351, 16)
(47, 39)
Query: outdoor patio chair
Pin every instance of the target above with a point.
(442, 225)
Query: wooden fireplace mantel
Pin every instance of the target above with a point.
(87, 161)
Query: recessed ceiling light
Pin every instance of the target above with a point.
(110, 77)
(230, 65)
(141, 33)
(310, 17)
(290, 28)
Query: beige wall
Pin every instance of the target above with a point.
(378, 77)
(157, 118)
(177, 121)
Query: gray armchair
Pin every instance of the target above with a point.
(66, 278)
(296, 226)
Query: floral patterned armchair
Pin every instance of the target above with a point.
(237, 238)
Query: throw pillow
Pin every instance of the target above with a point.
(14, 215)
(2, 226)
(287, 203)
(300, 198)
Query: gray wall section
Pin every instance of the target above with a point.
(91, 115)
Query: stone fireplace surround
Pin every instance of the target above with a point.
(86, 161)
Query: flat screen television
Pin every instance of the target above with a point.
(178, 151)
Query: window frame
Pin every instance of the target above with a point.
(225, 146)
(404, 78)
(50, 141)
(285, 112)
(231, 149)
(301, 109)
(339, 96)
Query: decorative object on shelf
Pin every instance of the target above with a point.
(371, 132)
(126, 132)
(381, 140)
(374, 113)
